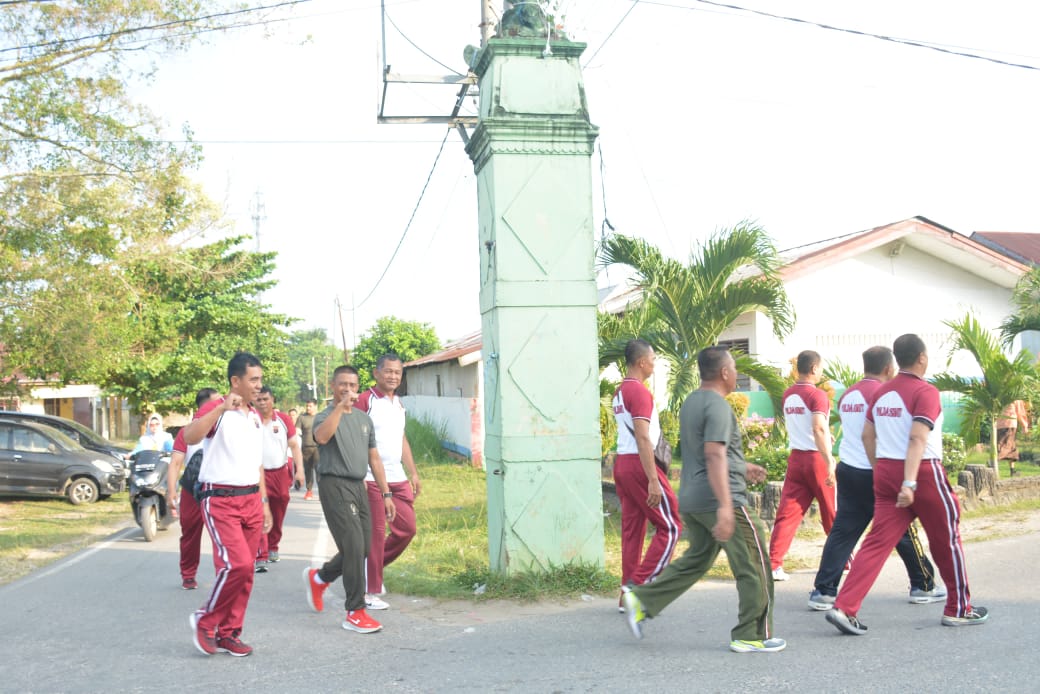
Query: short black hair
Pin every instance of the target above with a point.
(807, 360)
(389, 356)
(344, 369)
(636, 349)
(710, 361)
(266, 389)
(311, 401)
(907, 349)
(239, 363)
(204, 395)
(876, 359)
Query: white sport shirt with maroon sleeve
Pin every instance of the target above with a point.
(852, 409)
(906, 399)
(632, 401)
(801, 402)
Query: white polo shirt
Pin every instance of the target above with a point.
(388, 417)
(233, 449)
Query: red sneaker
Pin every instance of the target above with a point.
(189, 584)
(308, 496)
(315, 590)
(233, 646)
(359, 621)
(205, 640)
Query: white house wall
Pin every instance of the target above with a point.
(871, 299)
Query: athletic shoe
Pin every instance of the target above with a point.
(261, 567)
(272, 557)
(189, 584)
(315, 590)
(205, 640)
(779, 574)
(233, 646)
(767, 646)
(634, 613)
(920, 596)
(976, 615)
(373, 602)
(359, 621)
(846, 623)
(308, 496)
(821, 602)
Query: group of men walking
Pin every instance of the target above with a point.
(890, 473)
(237, 478)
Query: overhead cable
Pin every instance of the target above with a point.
(410, 220)
(913, 43)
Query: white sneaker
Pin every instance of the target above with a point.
(919, 596)
(780, 575)
(374, 602)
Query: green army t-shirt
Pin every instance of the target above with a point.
(706, 416)
(346, 453)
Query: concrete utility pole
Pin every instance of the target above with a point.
(531, 152)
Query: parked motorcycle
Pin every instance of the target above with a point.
(148, 491)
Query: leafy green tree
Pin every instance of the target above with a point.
(199, 306)
(1026, 301)
(408, 339)
(1003, 381)
(689, 305)
(87, 186)
(305, 346)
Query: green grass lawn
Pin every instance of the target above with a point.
(35, 532)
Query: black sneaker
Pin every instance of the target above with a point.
(261, 567)
(976, 615)
(846, 623)
(821, 602)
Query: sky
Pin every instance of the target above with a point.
(708, 116)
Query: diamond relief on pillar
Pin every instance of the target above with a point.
(546, 232)
(550, 397)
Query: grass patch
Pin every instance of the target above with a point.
(35, 532)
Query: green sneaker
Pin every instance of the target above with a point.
(767, 646)
(634, 613)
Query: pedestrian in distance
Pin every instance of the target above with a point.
(189, 512)
(1013, 418)
(233, 496)
(279, 439)
(643, 489)
(381, 403)
(305, 425)
(155, 439)
(346, 452)
(855, 478)
(810, 465)
(713, 500)
(902, 437)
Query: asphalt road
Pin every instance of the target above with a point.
(113, 618)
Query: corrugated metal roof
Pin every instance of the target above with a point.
(453, 350)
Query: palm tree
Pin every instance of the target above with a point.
(687, 306)
(1003, 381)
(1026, 300)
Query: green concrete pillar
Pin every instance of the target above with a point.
(531, 151)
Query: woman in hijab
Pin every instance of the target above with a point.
(156, 439)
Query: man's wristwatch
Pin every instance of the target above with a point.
(910, 484)
(388, 495)
(263, 500)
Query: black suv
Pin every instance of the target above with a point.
(40, 460)
(84, 436)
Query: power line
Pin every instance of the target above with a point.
(161, 25)
(410, 220)
(415, 46)
(913, 43)
(611, 34)
(220, 142)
